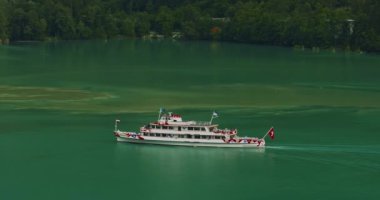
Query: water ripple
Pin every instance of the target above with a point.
(373, 149)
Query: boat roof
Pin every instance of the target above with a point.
(186, 124)
(171, 119)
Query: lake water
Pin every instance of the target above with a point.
(58, 103)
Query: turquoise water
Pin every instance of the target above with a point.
(58, 103)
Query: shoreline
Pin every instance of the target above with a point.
(295, 47)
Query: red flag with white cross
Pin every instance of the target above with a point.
(271, 133)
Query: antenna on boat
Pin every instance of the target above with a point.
(214, 115)
(117, 121)
(159, 113)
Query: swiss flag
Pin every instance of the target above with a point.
(271, 133)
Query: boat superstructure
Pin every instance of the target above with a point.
(170, 129)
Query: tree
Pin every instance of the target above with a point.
(3, 25)
(127, 26)
(110, 24)
(189, 16)
(322, 23)
(83, 32)
(142, 25)
(62, 25)
(27, 25)
(165, 21)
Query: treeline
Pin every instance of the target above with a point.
(353, 24)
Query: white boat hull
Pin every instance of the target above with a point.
(191, 143)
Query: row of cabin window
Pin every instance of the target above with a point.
(171, 128)
(162, 127)
(183, 136)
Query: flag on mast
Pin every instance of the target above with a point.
(271, 133)
(214, 115)
(162, 110)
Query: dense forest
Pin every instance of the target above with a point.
(347, 24)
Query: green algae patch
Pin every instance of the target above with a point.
(18, 93)
(140, 99)
(49, 98)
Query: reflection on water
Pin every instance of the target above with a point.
(177, 157)
(185, 152)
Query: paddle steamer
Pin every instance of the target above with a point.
(170, 129)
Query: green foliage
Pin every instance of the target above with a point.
(127, 26)
(27, 25)
(3, 22)
(165, 21)
(83, 31)
(142, 24)
(309, 23)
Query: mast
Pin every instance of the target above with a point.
(214, 115)
(160, 112)
(117, 121)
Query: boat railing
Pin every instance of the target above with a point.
(202, 123)
(225, 131)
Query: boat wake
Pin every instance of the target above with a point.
(329, 148)
(351, 156)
